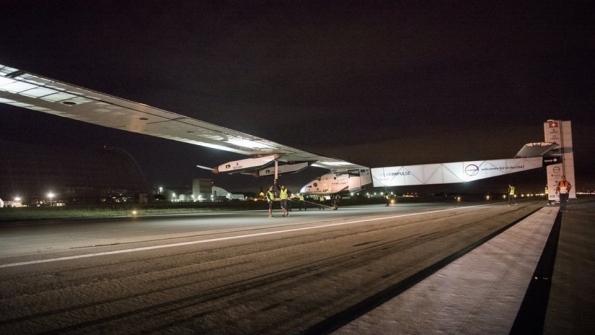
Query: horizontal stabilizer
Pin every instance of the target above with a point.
(536, 149)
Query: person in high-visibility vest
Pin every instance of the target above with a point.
(303, 202)
(271, 200)
(511, 198)
(563, 189)
(284, 196)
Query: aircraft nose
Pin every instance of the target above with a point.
(305, 189)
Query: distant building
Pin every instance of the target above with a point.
(31, 172)
(201, 189)
(220, 194)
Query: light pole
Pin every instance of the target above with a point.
(50, 195)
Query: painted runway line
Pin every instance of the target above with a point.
(108, 253)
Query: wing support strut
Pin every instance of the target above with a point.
(276, 170)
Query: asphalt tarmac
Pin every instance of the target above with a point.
(243, 273)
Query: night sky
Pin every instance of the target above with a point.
(376, 83)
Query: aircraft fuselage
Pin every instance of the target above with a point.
(338, 182)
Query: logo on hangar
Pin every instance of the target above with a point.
(471, 170)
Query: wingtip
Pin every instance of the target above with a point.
(214, 170)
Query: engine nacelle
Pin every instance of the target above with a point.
(243, 165)
(283, 169)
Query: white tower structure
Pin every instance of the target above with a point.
(560, 132)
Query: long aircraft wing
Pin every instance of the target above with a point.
(38, 93)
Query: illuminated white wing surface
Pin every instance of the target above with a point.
(26, 90)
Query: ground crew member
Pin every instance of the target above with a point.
(511, 199)
(284, 196)
(335, 198)
(270, 199)
(564, 190)
(303, 202)
(289, 197)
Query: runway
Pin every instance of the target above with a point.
(232, 272)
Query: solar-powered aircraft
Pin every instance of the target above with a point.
(265, 158)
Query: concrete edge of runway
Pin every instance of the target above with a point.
(344, 317)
